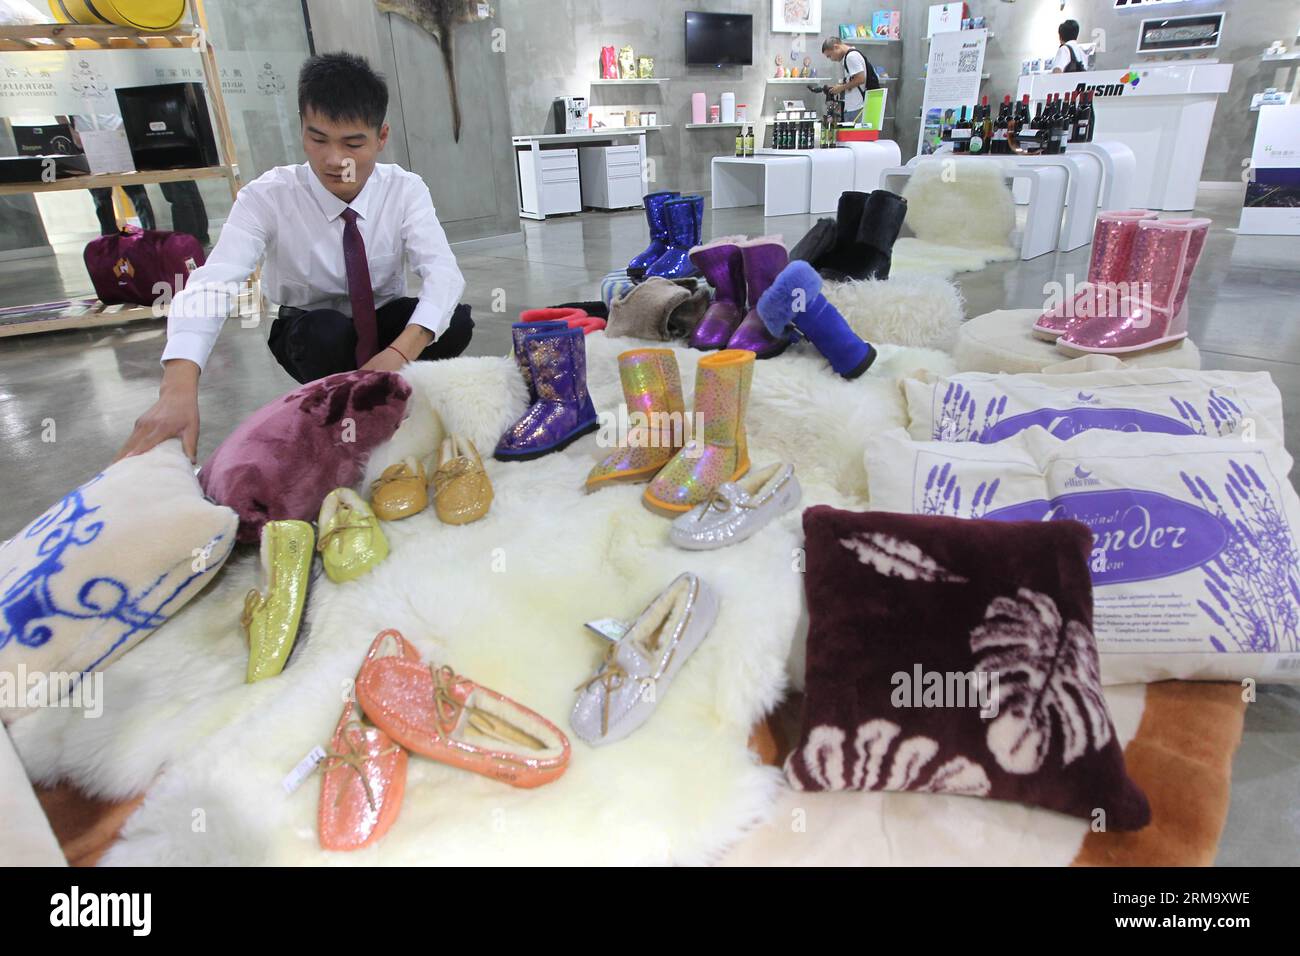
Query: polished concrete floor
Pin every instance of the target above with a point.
(92, 385)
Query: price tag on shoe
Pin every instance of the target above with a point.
(305, 768)
(611, 629)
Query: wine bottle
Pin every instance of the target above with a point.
(979, 134)
(1026, 138)
(1067, 122)
(1083, 120)
(1000, 128)
(1047, 134)
(961, 134)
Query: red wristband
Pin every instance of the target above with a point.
(399, 352)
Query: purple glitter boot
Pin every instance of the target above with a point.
(520, 331)
(764, 260)
(562, 413)
(724, 269)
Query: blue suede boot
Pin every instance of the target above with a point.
(795, 298)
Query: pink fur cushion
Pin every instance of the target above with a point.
(287, 456)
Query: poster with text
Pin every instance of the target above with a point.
(952, 81)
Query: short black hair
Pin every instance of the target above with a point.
(1069, 30)
(342, 86)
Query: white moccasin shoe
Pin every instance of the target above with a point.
(737, 509)
(638, 670)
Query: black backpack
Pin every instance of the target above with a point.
(873, 81)
(1075, 65)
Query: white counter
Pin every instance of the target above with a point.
(1165, 114)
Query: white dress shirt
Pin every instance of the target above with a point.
(288, 216)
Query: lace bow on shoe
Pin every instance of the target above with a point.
(354, 758)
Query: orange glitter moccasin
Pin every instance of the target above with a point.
(439, 714)
(363, 778)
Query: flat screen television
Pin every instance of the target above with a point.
(717, 39)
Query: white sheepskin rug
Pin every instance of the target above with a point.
(962, 215)
(920, 311)
(503, 601)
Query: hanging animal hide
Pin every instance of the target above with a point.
(438, 18)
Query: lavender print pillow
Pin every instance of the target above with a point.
(933, 669)
(985, 408)
(1195, 555)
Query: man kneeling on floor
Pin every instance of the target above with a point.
(332, 233)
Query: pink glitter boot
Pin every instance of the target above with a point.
(1112, 247)
(1150, 310)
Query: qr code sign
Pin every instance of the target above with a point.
(968, 61)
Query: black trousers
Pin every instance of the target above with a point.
(188, 212)
(311, 345)
(103, 198)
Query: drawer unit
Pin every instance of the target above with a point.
(549, 181)
(611, 176)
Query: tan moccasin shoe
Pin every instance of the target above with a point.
(461, 490)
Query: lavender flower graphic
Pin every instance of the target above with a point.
(956, 419)
(1255, 580)
(1224, 414)
(943, 494)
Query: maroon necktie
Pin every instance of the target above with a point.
(359, 290)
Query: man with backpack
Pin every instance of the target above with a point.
(859, 76)
(1070, 56)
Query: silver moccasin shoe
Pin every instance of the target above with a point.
(638, 670)
(737, 509)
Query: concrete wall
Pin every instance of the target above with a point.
(473, 181)
(554, 49)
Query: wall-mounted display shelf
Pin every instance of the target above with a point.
(990, 36)
(655, 80)
(719, 125)
(68, 37)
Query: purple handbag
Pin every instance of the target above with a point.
(133, 265)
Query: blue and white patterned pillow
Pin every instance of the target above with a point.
(101, 570)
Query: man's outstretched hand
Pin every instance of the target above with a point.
(174, 415)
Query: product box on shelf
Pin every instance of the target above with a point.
(167, 126)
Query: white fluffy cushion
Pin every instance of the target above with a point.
(101, 570)
(920, 311)
(960, 202)
(1001, 341)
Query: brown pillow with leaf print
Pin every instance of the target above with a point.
(948, 655)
